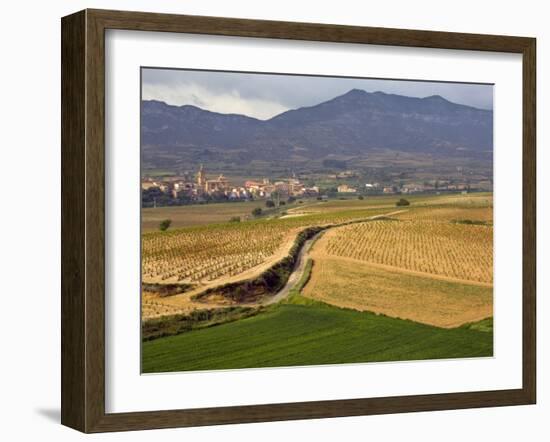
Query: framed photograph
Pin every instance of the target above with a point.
(269, 220)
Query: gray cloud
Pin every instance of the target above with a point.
(265, 95)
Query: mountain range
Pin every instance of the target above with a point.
(350, 124)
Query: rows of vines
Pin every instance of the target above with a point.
(448, 249)
(207, 253)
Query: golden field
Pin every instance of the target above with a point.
(454, 250)
(431, 262)
(427, 264)
(207, 256)
(206, 253)
(367, 287)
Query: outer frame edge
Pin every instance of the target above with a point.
(83, 406)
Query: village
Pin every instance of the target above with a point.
(220, 188)
(201, 188)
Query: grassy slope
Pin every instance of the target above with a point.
(198, 214)
(212, 213)
(294, 334)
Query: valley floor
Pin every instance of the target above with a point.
(414, 284)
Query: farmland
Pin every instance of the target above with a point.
(310, 334)
(458, 251)
(431, 264)
(386, 283)
(483, 214)
(207, 253)
(421, 203)
(366, 287)
(204, 257)
(199, 214)
(205, 214)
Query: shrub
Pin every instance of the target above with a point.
(269, 203)
(165, 224)
(402, 202)
(235, 219)
(257, 211)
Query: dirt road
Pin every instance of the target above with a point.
(300, 265)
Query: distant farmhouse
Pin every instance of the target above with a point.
(290, 187)
(344, 188)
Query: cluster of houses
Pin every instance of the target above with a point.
(221, 187)
(377, 188)
(287, 188)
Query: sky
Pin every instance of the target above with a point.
(263, 96)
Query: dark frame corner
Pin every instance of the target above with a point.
(83, 215)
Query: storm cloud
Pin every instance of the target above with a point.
(265, 95)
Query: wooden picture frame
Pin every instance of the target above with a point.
(83, 220)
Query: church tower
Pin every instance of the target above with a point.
(201, 177)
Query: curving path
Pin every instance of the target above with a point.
(301, 261)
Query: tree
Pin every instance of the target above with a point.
(402, 202)
(257, 211)
(269, 203)
(165, 224)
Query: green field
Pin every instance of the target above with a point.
(311, 333)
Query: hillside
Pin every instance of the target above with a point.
(350, 124)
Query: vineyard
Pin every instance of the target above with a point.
(209, 253)
(429, 264)
(404, 286)
(447, 249)
(451, 213)
(377, 265)
(205, 254)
